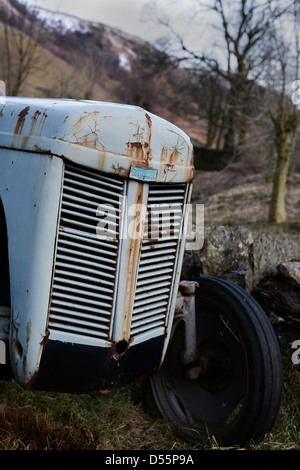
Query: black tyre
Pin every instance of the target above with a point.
(236, 395)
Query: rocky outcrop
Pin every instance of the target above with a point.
(266, 266)
(224, 250)
(224, 254)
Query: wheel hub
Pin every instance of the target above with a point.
(216, 367)
(213, 369)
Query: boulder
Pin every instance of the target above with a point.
(290, 271)
(224, 252)
(279, 298)
(266, 254)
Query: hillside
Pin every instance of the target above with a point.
(86, 60)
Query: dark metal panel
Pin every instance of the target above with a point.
(78, 368)
(71, 368)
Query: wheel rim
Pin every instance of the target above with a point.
(213, 401)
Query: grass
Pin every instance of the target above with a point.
(286, 432)
(34, 420)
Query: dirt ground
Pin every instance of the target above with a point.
(241, 196)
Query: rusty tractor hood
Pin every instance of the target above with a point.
(105, 136)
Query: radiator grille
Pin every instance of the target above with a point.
(158, 257)
(85, 267)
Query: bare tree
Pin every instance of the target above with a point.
(244, 26)
(285, 117)
(242, 36)
(207, 92)
(23, 35)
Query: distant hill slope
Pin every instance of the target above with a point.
(87, 60)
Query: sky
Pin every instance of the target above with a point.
(130, 16)
(126, 15)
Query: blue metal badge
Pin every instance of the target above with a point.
(142, 174)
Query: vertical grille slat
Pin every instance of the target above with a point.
(158, 258)
(85, 266)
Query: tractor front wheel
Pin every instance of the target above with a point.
(234, 390)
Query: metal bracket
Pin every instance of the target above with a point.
(186, 311)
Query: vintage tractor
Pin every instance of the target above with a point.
(91, 293)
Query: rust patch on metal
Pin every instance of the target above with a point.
(31, 130)
(29, 384)
(21, 352)
(42, 122)
(103, 392)
(119, 348)
(191, 175)
(140, 151)
(45, 338)
(148, 140)
(148, 120)
(21, 120)
(135, 150)
(134, 251)
(40, 150)
(86, 131)
(192, 158)
(119, 170)
(28, 332)
(35, 120)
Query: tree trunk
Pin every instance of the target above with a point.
(211, 132)
(236, 129)
(284, 147)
